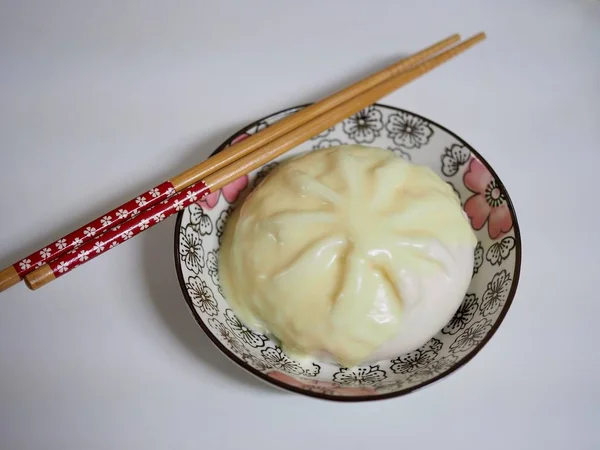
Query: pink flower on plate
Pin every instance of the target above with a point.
(240, 138)
(232, 191)
(489, 202)
(322, 387)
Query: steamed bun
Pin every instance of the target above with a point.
(348, 253)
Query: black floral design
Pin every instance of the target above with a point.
(199, 220)
(221, 222)
(227, 336)
(417, 359)
(257, 363)
(359, 376)
(435, 345)
(494, 196)
(391, 385)
(401, 153)
(313, 371)
(453, 158)
(276, 358)
(212, 264)
(328, 143)
(263, 172)
(463, 315)
(495, 294)
(412, 361)
(478, 258)
(471, 336)
(331, 390)
(364, 126)
(251, 338)
(191, 249)
(407, 130)
(259, 127)
(500, 251)
(454, 189)
(436, 367)
(322, 134)
(202, 296)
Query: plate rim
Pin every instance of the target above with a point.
(270, 380)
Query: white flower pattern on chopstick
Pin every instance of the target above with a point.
(83, 256)
(106, 220)
(191, 197)
(99, 247)
(122, 213)
(179, 205)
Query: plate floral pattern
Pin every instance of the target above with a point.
(495, 275)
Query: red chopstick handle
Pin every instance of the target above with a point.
(95, 228)
(132, 227)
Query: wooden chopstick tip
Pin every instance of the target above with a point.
(39, 277)
(478, 37)
(453, 51)
(451, 39)
(8, 277)
(470, 42)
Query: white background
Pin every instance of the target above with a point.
(100, 100)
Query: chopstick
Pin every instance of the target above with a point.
(14, 273)
(242, 166)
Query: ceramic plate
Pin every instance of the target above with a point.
(495, 276)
